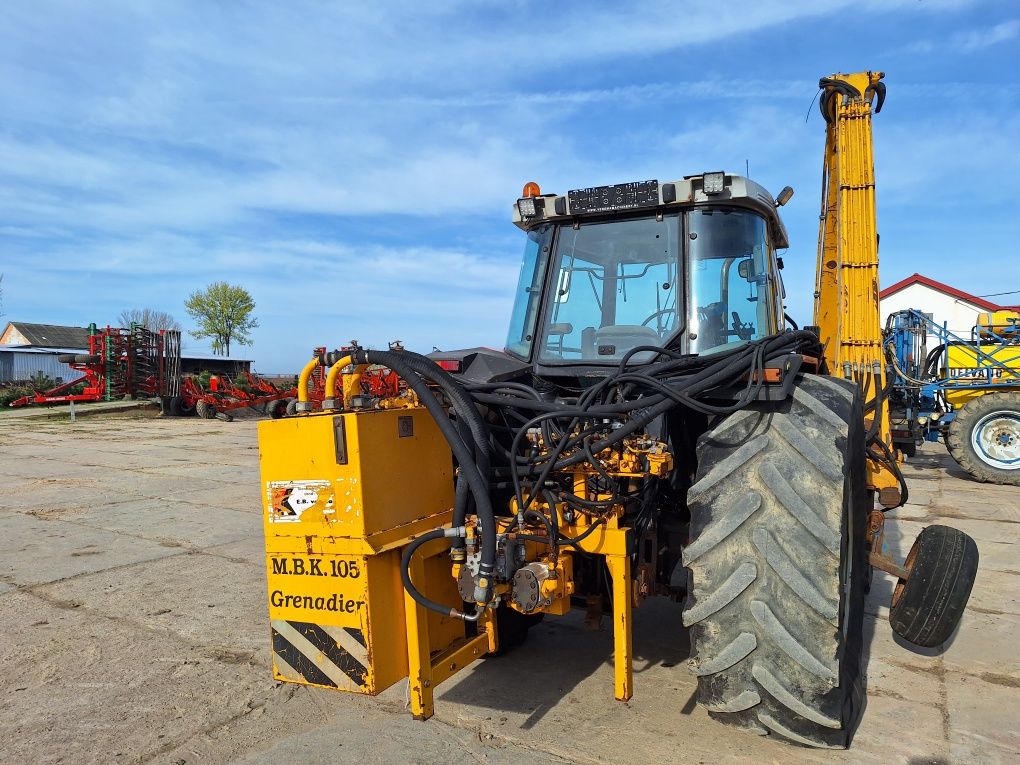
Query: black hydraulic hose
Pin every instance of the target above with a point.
(930, 370)
(460, 503)
(890, 461)
(790, 321)
(462, 403)
(465, 459)
(405, 573)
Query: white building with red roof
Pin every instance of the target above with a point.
(956, 309)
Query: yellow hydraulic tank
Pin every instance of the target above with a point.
(342, 493)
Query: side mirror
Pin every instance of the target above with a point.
(784, 196)
(746, 269)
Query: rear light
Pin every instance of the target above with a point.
(450, 365)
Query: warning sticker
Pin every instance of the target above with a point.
(289, 500)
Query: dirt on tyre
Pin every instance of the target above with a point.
(778, 566)
(984, 438)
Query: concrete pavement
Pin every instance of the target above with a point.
(133, 611)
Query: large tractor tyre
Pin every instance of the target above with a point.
(778, 565)
(927, 607)
(205, 410)
(984, 438)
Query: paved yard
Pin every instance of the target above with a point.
(134, 624)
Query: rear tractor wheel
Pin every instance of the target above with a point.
(778, 565)
(984, 438)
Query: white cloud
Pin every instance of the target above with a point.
(983, 38)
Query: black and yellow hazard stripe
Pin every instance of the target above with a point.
(335, 657)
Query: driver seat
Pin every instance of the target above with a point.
(621, 338)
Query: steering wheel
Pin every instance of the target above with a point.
(657, 314)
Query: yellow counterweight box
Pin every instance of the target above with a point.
(342, 494)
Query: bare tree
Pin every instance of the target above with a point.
(148, 318)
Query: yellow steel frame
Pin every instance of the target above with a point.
(426, 671)
(846, 307)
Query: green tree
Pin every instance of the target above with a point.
(223, 312)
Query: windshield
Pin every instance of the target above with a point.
(729, 257)
(529, 292)
(615, 287)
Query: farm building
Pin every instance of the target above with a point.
(955, 309)
(27, 350)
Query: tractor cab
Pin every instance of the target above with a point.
(612, 272)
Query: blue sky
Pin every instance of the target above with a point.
(353, 164)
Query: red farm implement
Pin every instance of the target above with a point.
(121, 363)
(225, 395)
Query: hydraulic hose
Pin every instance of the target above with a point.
(465, 459)
(405, 574)
(329, 400)
(303, 404)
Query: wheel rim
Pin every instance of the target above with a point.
(996, 440)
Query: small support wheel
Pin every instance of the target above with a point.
(278, 408)
(927, 607)
(205, 410)
(291, 408)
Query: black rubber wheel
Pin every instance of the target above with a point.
(778, 565)
(291, 407)
(928, 606)
(278, 408)
(984, 438)
(205, 410)
(178, 407)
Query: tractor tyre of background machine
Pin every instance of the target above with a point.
(984, 438)
(927, 607)
(291, 407)
(512, 627)
(180, 408)
(278, 408)
(205, 410)
(778, 565)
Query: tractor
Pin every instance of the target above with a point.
(655, 426)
